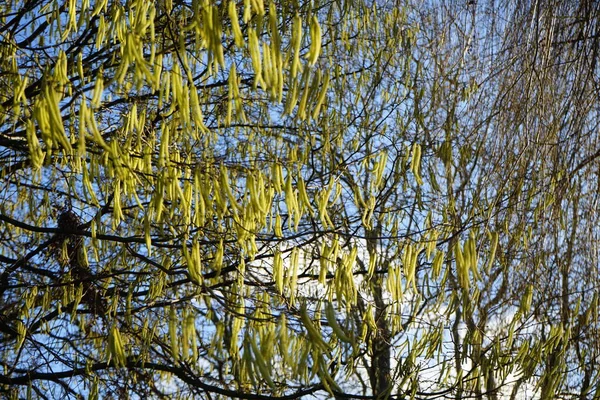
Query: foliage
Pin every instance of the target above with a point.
(359, 199)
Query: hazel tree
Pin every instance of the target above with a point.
(287, 199)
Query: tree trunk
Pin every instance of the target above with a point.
(380, 369)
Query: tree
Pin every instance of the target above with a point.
(252, 200)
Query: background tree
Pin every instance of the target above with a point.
(252, 200)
